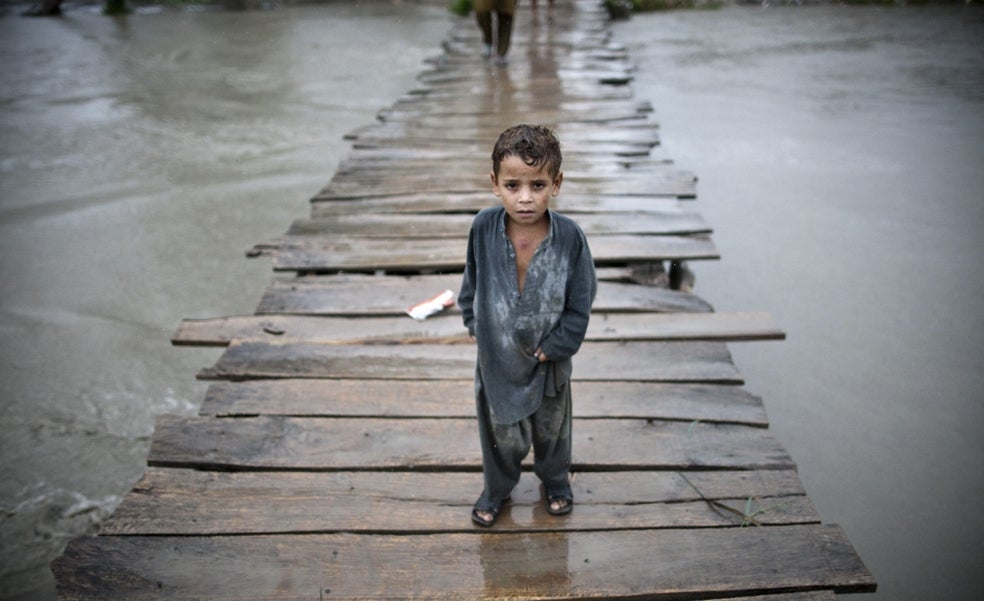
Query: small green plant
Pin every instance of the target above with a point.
(462, 8)
(748, 516)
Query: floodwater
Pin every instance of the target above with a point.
(839, 152)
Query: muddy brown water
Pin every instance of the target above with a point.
(839, 153)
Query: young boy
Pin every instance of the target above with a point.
(526, 296)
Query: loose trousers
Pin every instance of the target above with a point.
(504, 446)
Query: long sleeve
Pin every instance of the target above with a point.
(565, 340)
(466, 295)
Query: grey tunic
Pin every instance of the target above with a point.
(552, 313)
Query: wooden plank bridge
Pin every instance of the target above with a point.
(335, 455)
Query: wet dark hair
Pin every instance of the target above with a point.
(536, 145)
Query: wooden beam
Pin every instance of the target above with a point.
(454, 398)
(336, 253)
(189, 502)
(327, 207)
(355, 294)
(391, 226)
(447, 328)
(656, 564)
(451, 444)
(685, 362)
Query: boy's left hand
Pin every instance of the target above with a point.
(541, 356)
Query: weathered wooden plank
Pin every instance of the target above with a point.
(376, 138)
(355, 294)
(654, 564)
(587, 166)
(521, 112)
(329, 444)
(808, 596)
(391, 226)
(596, 71)
(324, 207)
(473, 116)
(684, 362)
(171, 501)
(726, 327)
(577, 138)
(455, 398)
(679, 184)
(459, 54)
(336, 253)
(579, 90)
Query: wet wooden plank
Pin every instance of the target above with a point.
(451, 444)
(376, 138)
(580, 90)
(522, 112)
(588, 166)
(391, 226)
(324, 207)
(473, 118)
(682, 362)
(562, 565)
(355, 294)
(455, 398)
(172, 501)
(448, 329)
(337, 253)
(578, 139)
(808, 596)
(597, 71)
(676, 183)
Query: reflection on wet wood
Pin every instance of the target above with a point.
(699, 562)
(335, 455)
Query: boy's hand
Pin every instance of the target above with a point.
(541, 356)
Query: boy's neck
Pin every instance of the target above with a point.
(537, 230)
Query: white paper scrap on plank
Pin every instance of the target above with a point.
(431, 306)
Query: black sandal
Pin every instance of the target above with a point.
(560, 495)
(483, 505)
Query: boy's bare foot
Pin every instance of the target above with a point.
(558, 506)
(560, 502)
(485, 512)
(485, 516)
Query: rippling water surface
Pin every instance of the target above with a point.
(139, 158)
(840, 154)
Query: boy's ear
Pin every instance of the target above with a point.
(495, 183)
(558, 180)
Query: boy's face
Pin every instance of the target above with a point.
(525, 190)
